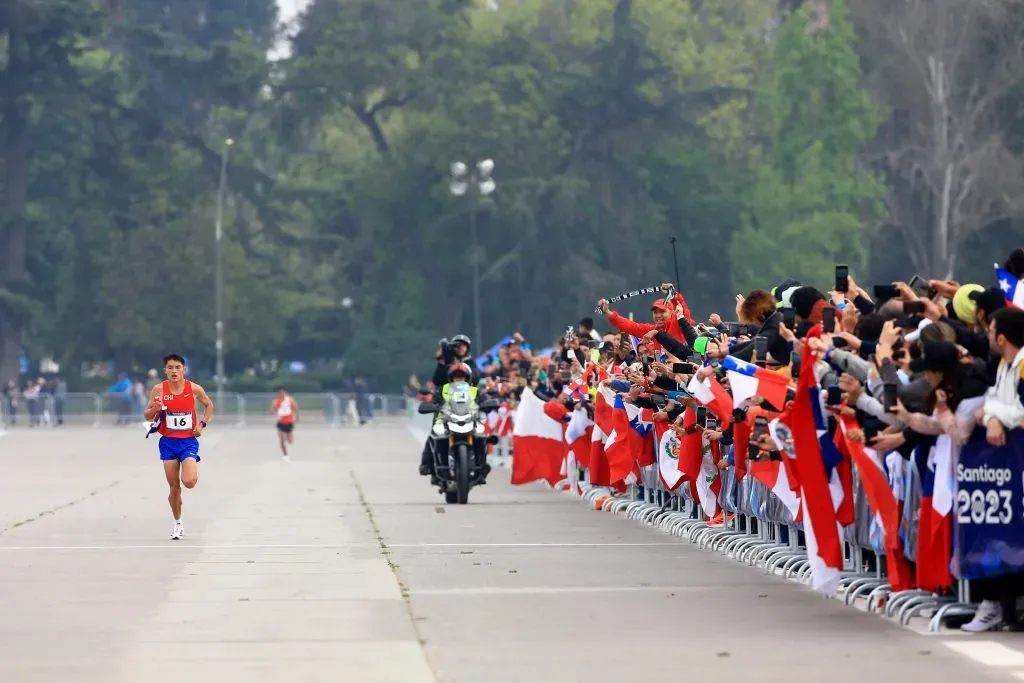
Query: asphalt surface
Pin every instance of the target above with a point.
(344, 565)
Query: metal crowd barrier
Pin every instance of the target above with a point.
(759, 530)
(237, 409)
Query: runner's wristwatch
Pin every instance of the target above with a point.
(203, 422)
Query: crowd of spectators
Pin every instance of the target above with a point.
(907, 360)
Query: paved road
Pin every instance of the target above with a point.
(343, 565)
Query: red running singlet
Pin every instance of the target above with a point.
(179, 413)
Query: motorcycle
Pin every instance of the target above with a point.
(461, 424)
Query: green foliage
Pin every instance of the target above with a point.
(810, 203)
(614, 126)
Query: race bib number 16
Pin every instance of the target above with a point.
(179, 422)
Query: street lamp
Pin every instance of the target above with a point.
(218, 255)
(474, 181)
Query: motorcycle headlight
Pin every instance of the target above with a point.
(438, 429)
(460, 428)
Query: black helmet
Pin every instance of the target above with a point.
(461, 338)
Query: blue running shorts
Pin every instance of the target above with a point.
(179, 449)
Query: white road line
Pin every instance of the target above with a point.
(171, 545)
(540, 590)
(530, 545)
(987, 652)
(324, 546)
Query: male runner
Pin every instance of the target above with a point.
(287, 410)
(172, 409)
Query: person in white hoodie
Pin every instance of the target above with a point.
(1004, 403)
(1002, 413)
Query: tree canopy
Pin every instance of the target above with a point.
(771, 139)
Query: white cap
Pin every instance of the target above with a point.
(916, 334)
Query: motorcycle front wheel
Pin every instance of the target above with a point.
(462, 464)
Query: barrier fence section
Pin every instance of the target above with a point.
(758, 529)
(237, 409)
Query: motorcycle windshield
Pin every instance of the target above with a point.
(460, 403)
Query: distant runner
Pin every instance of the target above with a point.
(172, 410)
(287, 410)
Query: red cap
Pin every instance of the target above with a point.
(663, 305)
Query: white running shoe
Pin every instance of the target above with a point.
(179, 532)
(988, 617)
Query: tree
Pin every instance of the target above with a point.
(948, 69)
(810, 204)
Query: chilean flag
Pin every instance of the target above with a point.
(617, 448)
(840, 479)
(714, 397)
(821, 529)
(778, 476)
(935, 528)
(747, 379)
(155, 427)
(577, 439)
(641, 434)
(886, 509)
(1013, 287)
(536, 440)
(577, 435)
(598, 472)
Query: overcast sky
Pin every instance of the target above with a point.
(287, 11)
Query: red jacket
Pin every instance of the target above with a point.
(638, 329)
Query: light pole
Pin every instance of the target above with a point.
(218, 269)
(476, 181)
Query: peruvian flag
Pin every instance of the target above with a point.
(884, 506)
(598, 472)
(747, 379)
(935, 528)
(537, 441)
(668, 456)
(821, 529)
(714, 397)
(707, 485)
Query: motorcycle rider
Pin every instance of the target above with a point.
(459, 377)
(458, 350)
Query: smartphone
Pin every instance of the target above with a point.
(760, 427)
(913, 307)
(886, 292)
(835, 395)
(702, 416)
(570, 333)
(761, 348)
(828, 320)
(711, 424)
(890, 396)
(842, 278)
(919, 284)
(684, 368)
(789, 318)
